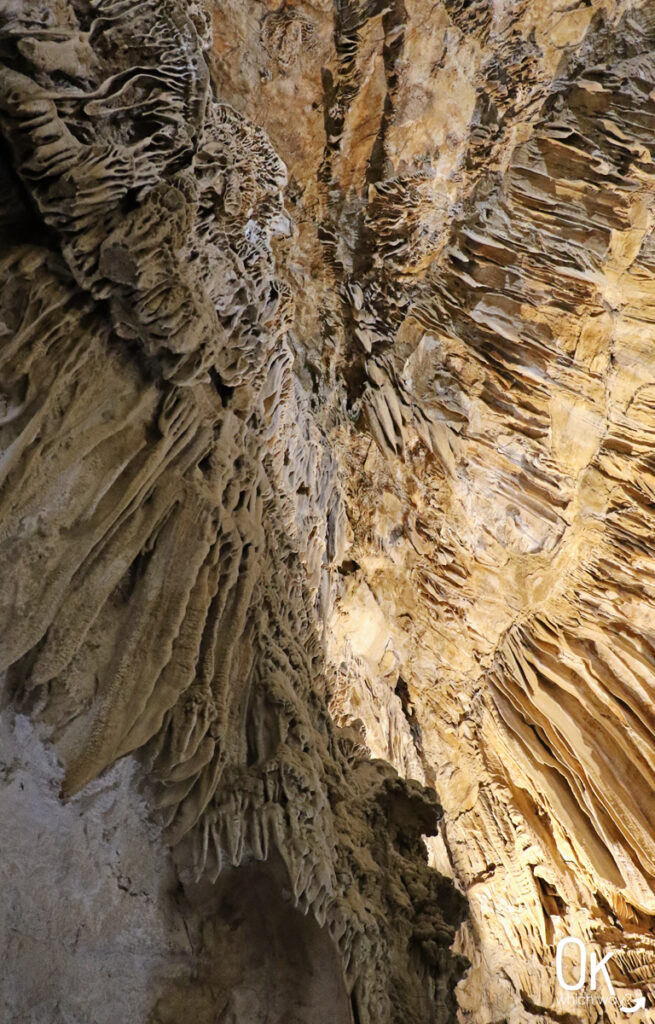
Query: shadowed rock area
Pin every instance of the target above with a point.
(326, 486)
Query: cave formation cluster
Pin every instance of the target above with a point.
(327, 410)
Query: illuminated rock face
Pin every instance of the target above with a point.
(170, 515)
(327, 417)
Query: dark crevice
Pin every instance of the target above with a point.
(20, 219)
(224, 390)
(559, 1018)
(402, 692)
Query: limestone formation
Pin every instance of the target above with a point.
(170, 507)
(326, 419)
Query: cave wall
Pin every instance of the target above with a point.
(170, 511)
(326, 424)
(481, 175)
(91, 924)
(263, 960)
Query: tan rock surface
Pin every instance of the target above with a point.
(168, 512)
(495, 273)
(359, 417)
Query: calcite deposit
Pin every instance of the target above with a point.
(327, 401)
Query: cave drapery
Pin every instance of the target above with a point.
(326, 420)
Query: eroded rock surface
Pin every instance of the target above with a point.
(484, 197)
(170, 507)
(326, 428)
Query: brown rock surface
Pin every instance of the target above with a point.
(169, 509)
(336, 391)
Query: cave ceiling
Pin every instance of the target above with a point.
(327, 426)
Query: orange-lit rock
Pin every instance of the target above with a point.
(328, 386)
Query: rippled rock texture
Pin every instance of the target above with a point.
(327, 414)
(169, 511)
